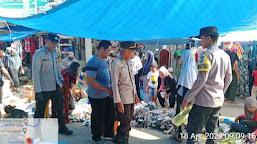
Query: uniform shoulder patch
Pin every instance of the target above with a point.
(205, 64)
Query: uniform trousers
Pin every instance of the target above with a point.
(56, 97)
(198, 118)
(125, 119)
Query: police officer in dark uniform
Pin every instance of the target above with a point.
(48, 81)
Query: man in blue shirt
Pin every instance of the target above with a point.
(100, 93)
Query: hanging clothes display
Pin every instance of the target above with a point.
(40, 42)
(27, 47)
(32, 46)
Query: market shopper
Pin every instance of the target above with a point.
(166, 88)
(230, 94)
(149, 59)
(214, 77)
(170, 69)
(48, 81)
(251, 67)
(7, 54)
(69, 80)
(187, 76)
(67, 61)
(4, 72)
(82, 85)
(244, 78)
(152, 81)
(100, 93)
(14, 65)
(137, 71)
(247, 123)
(27, 76)
(124, 90)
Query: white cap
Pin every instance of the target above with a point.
(170, 69)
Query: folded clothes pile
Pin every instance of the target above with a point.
(152, 115)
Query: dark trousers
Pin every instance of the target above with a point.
(103, 115)
(57, 101)
(125, 119)
(14, 74)
(198, 118)
(179, 99)
(172, 99)
(179, 103)
(231, 91)
(241, 128)
(137, 85)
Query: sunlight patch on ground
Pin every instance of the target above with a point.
(142, 135)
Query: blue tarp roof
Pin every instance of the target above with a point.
(17, 33)
(164, 41)
(143, 19)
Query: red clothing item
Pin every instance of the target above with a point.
(69, 79)
(254, 118)
(254, 74)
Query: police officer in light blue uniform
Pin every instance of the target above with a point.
(48, 81)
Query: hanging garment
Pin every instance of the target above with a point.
(27, 45)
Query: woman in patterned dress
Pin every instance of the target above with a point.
(70, 77)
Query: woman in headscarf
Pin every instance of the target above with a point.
(149, 59)
(247, 122)
(166, 88)
(13, 64)
(186, 80)
(67, 61)
(187, 76)
(70, 76)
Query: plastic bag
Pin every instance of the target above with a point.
(181, 117)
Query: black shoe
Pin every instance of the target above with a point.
(66, 132)
(117, 140)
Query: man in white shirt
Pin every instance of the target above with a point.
(136, 68)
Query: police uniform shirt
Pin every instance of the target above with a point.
(214, 77)
(45, 70)
(123, 81)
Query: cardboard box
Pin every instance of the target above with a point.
(29, 93)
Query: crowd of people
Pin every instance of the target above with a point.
(115, 82)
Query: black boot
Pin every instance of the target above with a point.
(65, 131)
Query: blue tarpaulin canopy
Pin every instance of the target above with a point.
(16, 33)
(143, 19)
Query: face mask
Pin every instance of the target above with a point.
(8, 52)
(70, 58)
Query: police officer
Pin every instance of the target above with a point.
(124, 90)
(214, 77)
(48, 81)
